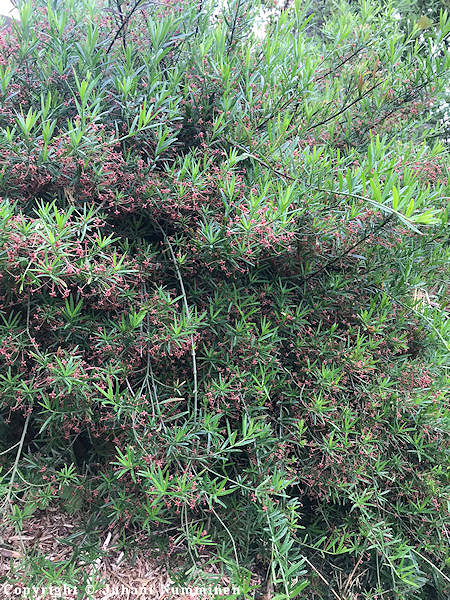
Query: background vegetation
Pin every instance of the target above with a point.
(222, 289)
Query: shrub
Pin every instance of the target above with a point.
(222, 286)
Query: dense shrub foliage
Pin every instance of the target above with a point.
(222, 287)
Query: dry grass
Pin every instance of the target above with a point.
(44, 533)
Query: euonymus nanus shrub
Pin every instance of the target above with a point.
(222, 286)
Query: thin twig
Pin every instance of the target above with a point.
(350, 577)
(432, 565)
(288, 177)
(233, 29)
(124, 22)
(188, 313)
(323, 579)
(343, 61)
(345, 108)
(199, 12)
(229, 534)
(355, 245)
(18, 454)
